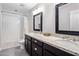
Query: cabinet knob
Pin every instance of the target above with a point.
(35, 49)
(35, 41)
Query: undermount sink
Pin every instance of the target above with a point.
(46, 34)
(74, 40)
(55, 38)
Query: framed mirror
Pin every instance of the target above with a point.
(67, 18)
(37, 22)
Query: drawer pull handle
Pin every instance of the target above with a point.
(35, 41)
(35, 49)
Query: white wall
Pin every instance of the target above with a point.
(0, 25)
(48, 10)
(21, 27)
(26, 25)
(29, 18)
(49, 18)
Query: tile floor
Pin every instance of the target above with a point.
(15, 51)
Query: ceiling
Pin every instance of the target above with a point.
(18, 7)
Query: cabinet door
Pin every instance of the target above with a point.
(46, 53)
(29, 47)
(37, 49)
(56, 51)
(25, 44)
(34, 54)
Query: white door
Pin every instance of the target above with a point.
(10, 28)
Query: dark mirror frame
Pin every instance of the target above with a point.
(41, 18)
(57, 22)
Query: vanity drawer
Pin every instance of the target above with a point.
(36, 49)
(37, 42)
(56, 51)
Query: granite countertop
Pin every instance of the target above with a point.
(59, 41)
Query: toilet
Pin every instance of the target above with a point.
(21, 44)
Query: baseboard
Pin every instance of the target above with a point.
(9, 45)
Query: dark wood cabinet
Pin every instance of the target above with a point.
(29, 47)
(34, 54)
(28, 41)
(37, 48)
(25, 44)
(55, 51)
(47, 53)
(39, 43)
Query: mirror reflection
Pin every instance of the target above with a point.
(37, 22)
(69, 17)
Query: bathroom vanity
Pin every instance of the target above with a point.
(37, 44)
(40, 45)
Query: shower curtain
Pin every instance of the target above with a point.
(11, 31)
